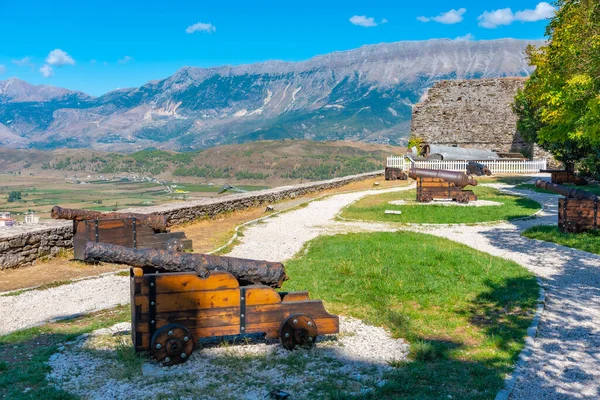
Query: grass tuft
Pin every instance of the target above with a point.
(586, 241)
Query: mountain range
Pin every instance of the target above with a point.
(364, 94)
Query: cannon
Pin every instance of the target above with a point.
(124, 229)
(395, 174)
(440, 184)
(577, 211)
(246, 271)
(477, 169)
(172, 311)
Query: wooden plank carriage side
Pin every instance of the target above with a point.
(127, 232)
(395, 174)
(561, 177)
(429, 189)
(188, 307)
(578, 215)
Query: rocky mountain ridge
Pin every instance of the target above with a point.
(364, 94)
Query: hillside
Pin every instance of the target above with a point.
(267, 162)
(364, 94)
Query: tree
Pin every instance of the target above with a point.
(14, 196)
(559, 108)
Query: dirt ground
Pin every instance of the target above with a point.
(207, 235)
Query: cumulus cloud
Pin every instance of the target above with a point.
(23, 62)
(468, 36)
(366, 22)
(201, 27)
(125, 60)
(505, 16)
(2, 69)
(46, 71)
(58, 58)
(449, 17)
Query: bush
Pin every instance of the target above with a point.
(14, 196)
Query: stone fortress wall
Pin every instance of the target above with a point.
(474, 113)
(24, 245)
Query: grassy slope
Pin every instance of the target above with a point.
(593, 188)
(263, 160)
(372, 208)
(588, 241)
(464, 312)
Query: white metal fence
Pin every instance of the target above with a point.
(496, 166)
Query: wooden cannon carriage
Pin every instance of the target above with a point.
(560, 177)
(395, 174)
(577, 211)
(171, 311)
(139, 231)
(179, 298)
(442, 185)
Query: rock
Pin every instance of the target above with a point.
(153, 370)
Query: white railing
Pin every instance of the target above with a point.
(496, 166)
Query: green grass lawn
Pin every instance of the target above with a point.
(372, 208)
(464, 312)
(586, 241)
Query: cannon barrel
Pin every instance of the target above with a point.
(245, 270)
(566, 191)
(156, 222)
(457, 178)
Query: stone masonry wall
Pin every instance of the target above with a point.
(472, 113)
(23, 245)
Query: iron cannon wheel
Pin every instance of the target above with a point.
(172, 344)
(298, 330)
(463, 198)
(174, 245)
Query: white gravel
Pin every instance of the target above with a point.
(356, 361)
(36, 307)
(449, 203)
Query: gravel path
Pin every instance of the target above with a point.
(36, 307)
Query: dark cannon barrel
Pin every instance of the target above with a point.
(156, 222)
(245, 270)
(457, 178)
(566, 191)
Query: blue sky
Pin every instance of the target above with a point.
(98, 46)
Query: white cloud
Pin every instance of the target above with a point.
(364, 21)
(468, 36)
(201, 27)
(449, 17)
(46, 71)
(505, 16)
(2, 69)
(384, 21)
(93, 62)
(542, 11)
(23, 62)
(125, 60)
(58, 57)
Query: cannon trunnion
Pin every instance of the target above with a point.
(171, 311)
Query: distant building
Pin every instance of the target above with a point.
(31, 218)
(5, 220)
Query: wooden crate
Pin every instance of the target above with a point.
(429, 189)
(125, 232)
(577, 215)
(215, 306)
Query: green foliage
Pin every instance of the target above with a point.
(586, 241)
(560, 105)
(464, 313)
(415, 141)
(14, 196)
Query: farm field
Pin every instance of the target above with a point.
(41, 193)
(371, 208)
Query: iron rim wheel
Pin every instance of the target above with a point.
(172, 344)
(298, 330)
(174, 245)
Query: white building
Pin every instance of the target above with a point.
(31, 218)
(5, 220)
